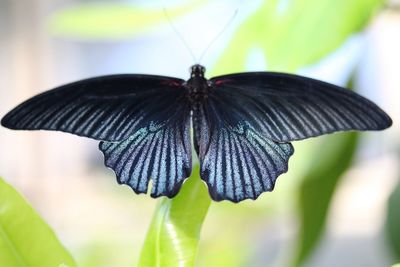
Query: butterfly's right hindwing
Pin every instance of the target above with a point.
(109, 108)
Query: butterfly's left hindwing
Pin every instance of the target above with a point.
(236, 162)
(161, 152)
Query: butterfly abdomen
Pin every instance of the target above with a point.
(197, 93)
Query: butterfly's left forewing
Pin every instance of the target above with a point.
(236, 162)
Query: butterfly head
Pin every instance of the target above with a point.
(197, 70)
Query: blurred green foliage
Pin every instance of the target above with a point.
(393, 222)
(110, 21)
(25, 239)
(174, 232)
(315, 193)
(294, 34)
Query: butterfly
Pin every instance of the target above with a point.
(242, 125)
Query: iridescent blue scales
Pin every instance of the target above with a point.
(239, 163)
(242, 125)
(162, 152)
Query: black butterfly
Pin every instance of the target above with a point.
(242, 125)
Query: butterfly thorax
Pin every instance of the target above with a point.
(197, 85)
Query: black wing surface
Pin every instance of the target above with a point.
(161, 152)
(107, 108)
(286, 107)
(236, 162)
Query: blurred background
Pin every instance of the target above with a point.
(338, 205)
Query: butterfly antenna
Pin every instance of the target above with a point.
(218, 35)
(179, 34)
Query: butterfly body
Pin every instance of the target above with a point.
(242, 125)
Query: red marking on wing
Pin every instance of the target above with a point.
(222, 81)
(172, 83)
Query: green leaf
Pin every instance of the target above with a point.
(316, 191)
(393, 221)
(173, 237)
(295, 34)
(396, 265)
(106, 21)
(25, 239)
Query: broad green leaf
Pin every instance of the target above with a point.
(393, 222)
(396, 265)
(318, 187)
(173, 237)
(294, 34)
(25, 239)
(110, 21)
